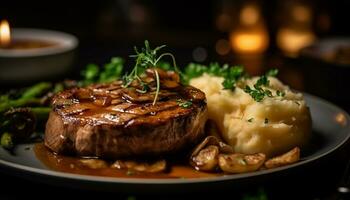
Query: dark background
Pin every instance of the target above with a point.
(111, 28)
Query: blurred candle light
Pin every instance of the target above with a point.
(5, 35)
(292, 40)
(223, 22)
(296, 33)
(250, 37)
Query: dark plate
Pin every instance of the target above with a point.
(330, 126)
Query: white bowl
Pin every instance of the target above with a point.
(18, 65)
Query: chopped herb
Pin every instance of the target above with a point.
(130, 173)
(250, 120)
(297, 103)
(266, 121)
(184, 104)
(280, 93)
(231, 74)
(258, 93)
(272, 72)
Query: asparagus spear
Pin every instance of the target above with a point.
(36, 90)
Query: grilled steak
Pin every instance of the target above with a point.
(112, 121)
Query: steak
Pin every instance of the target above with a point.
(112, 121)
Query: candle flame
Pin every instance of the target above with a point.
(5, 35)
(249, 42)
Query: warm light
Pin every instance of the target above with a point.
(249, 15)
(5, 36)
(223, 22)
(249, 42)
(291, 40)
(341, 119)
(301, 13)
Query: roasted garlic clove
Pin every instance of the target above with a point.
(206, 159)
(290, 157)
(211, 140)
(240, 163)
(152, 167)
(94, 163)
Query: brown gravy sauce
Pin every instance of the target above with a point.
(28, 44)
(74, 165)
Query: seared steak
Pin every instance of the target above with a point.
(112, 121)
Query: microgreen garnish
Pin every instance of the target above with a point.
(184, 104)
(230, 74)
(250, 120)
(146, 58)
(258, 93)
(266, 121)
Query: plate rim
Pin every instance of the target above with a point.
(149, 181)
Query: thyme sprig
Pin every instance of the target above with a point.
(147, 58)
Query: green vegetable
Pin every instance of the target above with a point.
(184, 104)
(6, 141)
(258, 93)
(230, 74)
(36, 90)
(147, 58)
(41, 113)
(58, 88)
(20, 122)
(6, 105)
(111, 71)
(250, 120)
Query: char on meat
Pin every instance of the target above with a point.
(112, 121)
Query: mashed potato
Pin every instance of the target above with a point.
(272, 126)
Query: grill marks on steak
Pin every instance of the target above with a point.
(108, 120)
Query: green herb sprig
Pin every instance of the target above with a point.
(147, 58)
(258, 93)
(231, 74)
